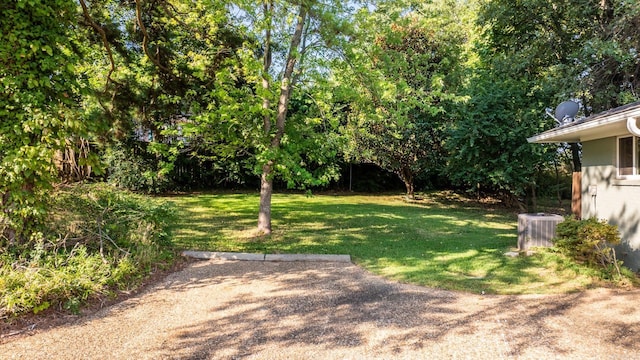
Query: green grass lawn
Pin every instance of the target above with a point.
(441, 241)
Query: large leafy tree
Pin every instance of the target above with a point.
(487, 143)
(585, 50)
(216, 79)
(399, 79)
(293, 39)
(514, 77)
(274, 117)
(157, 65)
(39, 95)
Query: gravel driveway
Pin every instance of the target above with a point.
(317, 310)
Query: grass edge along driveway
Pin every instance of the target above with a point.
(442, 241)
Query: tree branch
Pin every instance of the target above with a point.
(145, 40)
(105, 42)
(287, 84)
(267, 7)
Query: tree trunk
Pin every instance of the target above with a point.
(575, 157)
(534, 200)
(266, 183)
(407, 178)
(266, 189)
(266, 179)
(410, 190)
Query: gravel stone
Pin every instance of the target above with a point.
(221, 309)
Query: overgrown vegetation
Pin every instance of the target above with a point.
(97, 241)
(590, 242)
(443, 91)
(133, 168)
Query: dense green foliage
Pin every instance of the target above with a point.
(133, 168)
(531, 55)
(443, 91)
(586, 50)
(39, 93)
(487, 143)
(590, 241)
(99, 240)
(398, 79)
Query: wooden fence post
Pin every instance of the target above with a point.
(576, 195)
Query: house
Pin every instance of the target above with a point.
(610, 179)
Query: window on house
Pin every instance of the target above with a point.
(628, 156)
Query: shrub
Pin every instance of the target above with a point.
(133, 168)
(589, 241)
(35, 282)
(98, 240)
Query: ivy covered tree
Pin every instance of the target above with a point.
(39, 97)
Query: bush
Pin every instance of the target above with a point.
(133, 168)
(36, 282)
(589, 242)
(98, 240)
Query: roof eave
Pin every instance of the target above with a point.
(599, 127)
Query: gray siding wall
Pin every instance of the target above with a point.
(617, 201)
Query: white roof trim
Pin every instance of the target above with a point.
(582, 130)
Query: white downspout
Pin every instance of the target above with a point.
(632, 126)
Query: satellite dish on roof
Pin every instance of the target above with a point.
(565, 112)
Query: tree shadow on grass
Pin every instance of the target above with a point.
(212, 215)
(334, 308)
(464, 246)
